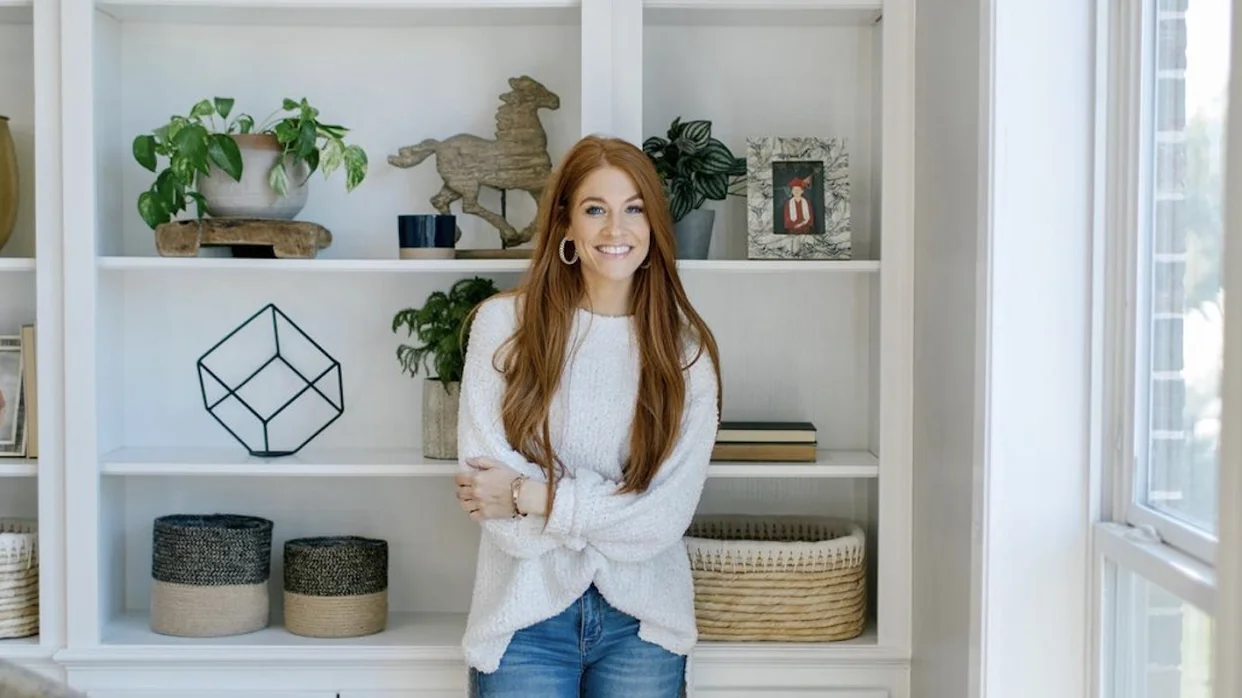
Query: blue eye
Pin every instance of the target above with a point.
(636, 209)
(594, 210)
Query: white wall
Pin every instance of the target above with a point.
(1035, 450)
(946, 238)
(1002, 348)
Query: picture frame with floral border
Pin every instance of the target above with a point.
(813, 170)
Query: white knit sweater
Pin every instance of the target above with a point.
(630, 546)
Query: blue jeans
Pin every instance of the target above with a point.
(589, 650)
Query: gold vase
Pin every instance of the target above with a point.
(8, 182)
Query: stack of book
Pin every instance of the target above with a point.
(765, 441)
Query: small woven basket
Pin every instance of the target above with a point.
(210, 574)
(336, 586)
(19, 578)
(778, 578)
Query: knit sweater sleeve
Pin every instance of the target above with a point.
(633, 527)
(480, 430)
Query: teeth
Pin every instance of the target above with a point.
(614, 249)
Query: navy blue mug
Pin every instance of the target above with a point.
(427, 235)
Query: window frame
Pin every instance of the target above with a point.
(1127, 534)
(1130, 73)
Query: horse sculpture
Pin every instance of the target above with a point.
(516, 159)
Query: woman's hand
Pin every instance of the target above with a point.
(486, 493)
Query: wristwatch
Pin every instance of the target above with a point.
(515, 488)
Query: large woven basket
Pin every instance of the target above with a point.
(778, 578)
(19, 578)
(336, 586)
(210, 574)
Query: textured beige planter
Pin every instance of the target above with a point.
(440, 419)
(8, 182)
(253, 197)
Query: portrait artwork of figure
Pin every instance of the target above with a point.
(797, 210)
(797, 197)
(10, 396)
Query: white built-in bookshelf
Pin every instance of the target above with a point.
(32, 485)
(826, 342)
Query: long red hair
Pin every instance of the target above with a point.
(550, 293)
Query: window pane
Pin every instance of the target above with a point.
(1183, 313)
(1162, 645)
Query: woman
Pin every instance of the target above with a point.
(589, 407)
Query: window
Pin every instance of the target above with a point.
(1167, 77)
(1179, 324)
(1163, 645)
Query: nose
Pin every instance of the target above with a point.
(611, 226)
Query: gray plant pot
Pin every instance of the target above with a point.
(694, 234)
(253, 197)
(440, 419)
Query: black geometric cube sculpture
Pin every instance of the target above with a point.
(269, 384)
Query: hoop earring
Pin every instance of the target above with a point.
(565, 259)
(646, 264)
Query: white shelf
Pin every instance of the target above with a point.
(828, 464)
(16, 11)
(456, 266)
(20, 648)
(19, 467)
(15, 264)
(766, 5)
(863, 648)
(337, 13)
(410, 463)
(759, 13)
(409, 637)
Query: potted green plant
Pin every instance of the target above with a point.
(229, 167)
(443, 335)
(694, 167)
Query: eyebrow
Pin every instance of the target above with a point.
(585, 199)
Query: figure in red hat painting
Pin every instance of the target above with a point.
(797, 198)
(799, 218)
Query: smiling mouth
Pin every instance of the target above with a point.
(614, 251)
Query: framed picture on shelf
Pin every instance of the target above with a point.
(797, 198)
(12, 399)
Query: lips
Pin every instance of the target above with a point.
(614, 251)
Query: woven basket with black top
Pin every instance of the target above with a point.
(336, 586)
(209, 574)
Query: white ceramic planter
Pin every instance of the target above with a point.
(253, 197)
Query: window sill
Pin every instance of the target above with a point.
(1140, 550)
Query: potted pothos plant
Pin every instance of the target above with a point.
(443, 335)
(229, 166)
(695, 167)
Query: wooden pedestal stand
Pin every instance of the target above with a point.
(247, 237)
